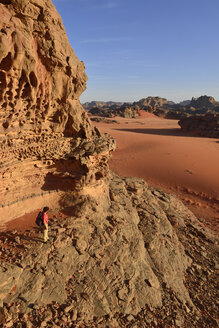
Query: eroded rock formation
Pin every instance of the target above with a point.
(41, 77)
(47, 142)
(122, 256)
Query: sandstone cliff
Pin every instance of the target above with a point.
(41, 77)
(47, 142)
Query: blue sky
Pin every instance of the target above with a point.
(133, 49)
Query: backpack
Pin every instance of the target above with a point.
(39, 219)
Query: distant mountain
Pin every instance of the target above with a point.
(203, 102)
(156, 105)
(152, 102)
(101, 104)
(184, 103)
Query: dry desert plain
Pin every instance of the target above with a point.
(156, 150)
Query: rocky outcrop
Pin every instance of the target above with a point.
(201, 125)
(47, 142)
(102, 112)
(103, 119)
(159, 106)
(125, 252)
(171, 114)
(203, 102)
(42, 169)
(101, 104)
(151, 103)
(123, 111)
(128, 112)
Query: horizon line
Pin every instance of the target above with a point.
(121, 101)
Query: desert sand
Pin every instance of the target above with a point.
(156, 150)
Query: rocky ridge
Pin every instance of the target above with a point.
(99, 104)
(158, 106)
(134, 256)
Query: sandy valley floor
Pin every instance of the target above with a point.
(155, 149)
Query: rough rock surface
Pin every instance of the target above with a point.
(48, 145)
(204, 126)
(41, 77)
(128, 252)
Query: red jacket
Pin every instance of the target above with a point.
(45, 218)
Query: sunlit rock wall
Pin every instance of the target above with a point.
(47, 144)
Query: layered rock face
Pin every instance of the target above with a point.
(45, 134)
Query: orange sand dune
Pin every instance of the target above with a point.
(144, 114)
(155, 149)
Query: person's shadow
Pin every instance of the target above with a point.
(17, 239)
